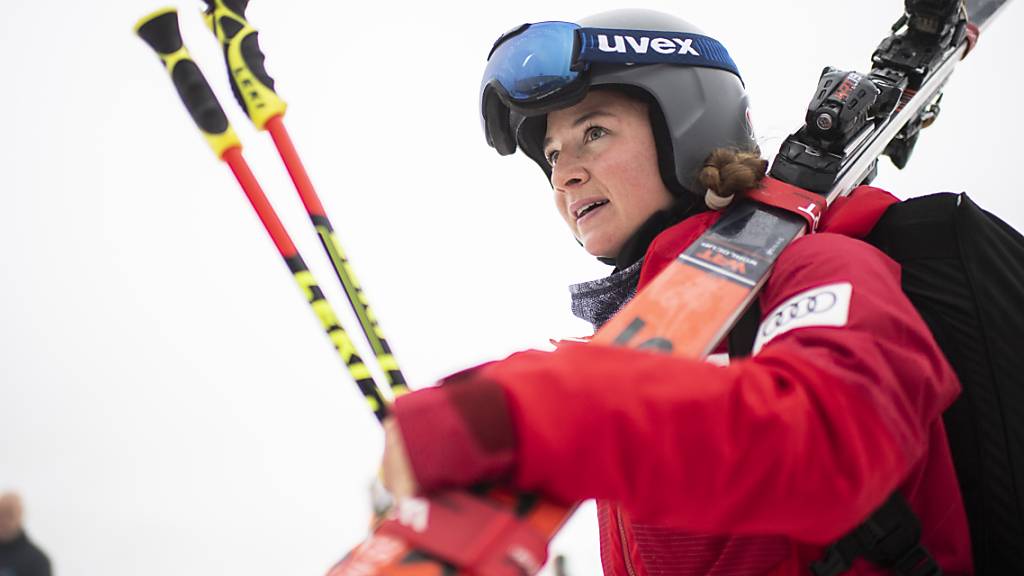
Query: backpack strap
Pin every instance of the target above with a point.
(890, 538)
(744, 332)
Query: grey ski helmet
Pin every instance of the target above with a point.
(695, 107)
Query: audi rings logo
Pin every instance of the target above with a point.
(814, 304)
(822, 306)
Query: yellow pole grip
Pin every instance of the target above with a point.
(161, 32)
(253, 87)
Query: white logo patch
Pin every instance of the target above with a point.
(824, 306)
(413, 513)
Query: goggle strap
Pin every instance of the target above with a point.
(619, 46)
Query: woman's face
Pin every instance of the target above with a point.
(604, 169)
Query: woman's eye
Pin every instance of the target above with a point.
(552, 157)
(595, 132)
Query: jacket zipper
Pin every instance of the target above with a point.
(625, 547)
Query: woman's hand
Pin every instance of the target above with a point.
(396, 471)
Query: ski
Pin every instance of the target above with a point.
(852, 120)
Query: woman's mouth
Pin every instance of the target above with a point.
(587, 209)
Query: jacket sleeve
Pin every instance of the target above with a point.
(804, 439)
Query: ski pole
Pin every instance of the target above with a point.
(161, 32)
(254, 90)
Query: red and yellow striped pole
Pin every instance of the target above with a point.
(161, 32)
(255, 92)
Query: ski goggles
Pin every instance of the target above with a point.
(538, 68)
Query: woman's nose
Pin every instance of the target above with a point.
(569, 172)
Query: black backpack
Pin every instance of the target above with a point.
(963, 269)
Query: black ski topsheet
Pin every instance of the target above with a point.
(979, 12)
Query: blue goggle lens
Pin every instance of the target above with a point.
(534, 62)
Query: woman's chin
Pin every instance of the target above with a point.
(600, 247)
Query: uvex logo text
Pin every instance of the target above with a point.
(625, 44)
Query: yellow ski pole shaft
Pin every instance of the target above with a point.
(254, 90)
(160, 31)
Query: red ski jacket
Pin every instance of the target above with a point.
(744, 469)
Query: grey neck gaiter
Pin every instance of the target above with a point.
(598, 300)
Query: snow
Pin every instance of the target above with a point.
(167, 402)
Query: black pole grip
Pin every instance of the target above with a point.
(161, 32)
(252, 85)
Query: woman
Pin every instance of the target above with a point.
(698, 469)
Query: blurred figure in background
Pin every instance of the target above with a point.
(18, 555)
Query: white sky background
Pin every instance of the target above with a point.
(169, 405)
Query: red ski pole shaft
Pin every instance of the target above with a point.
(160, 31)
(255, 92)
(353, 289)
